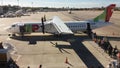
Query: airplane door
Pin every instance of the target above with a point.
(89, 31)
(22, 29)
(88, 26)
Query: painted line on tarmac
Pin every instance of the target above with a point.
(4, 34)
(8, 38)
(2, 24)
(19, 56)
(5, 28)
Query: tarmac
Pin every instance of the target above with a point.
(77, 51)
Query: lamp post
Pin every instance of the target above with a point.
(18, 2)
(1, 2)
(32, 6)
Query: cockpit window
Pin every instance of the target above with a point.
(13, 25)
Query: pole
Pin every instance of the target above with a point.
(1, 2)
(18, 2)
(32, 6)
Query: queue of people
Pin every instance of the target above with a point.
(113, 52)
(107, 47)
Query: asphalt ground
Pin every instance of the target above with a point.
(52, 52)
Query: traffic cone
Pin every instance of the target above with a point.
(118, 55)
(66, 61)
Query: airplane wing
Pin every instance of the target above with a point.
(60, 26)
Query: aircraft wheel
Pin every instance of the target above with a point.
(13, 34)
(22, 34)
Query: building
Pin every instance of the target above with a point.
(1, 10)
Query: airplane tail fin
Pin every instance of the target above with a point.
(105, 16)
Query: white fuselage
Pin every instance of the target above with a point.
(82, 25)
(73, 25)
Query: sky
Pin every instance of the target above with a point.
(61, 3)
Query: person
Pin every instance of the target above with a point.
(44, 18)
(110, 65)
(56, 43)
(118, 57)
(115, 51)
(68, 67)
(28, 67)
(95, 35)
(102, 44)
(99, 66)
(11, 65)
(105, 39)
(1, 47)
(106, 46)
(115, 64)
(40, 66)
(110, 49)
(118, 66)
(92, 67)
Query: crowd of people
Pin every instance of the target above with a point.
(107, 47)
(113, 52)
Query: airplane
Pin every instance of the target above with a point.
(69, 11)
(9, 14)
(57, 26)
(19, 13)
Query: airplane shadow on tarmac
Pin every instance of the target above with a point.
(84, 54)
(42, 38)
(10, 64)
